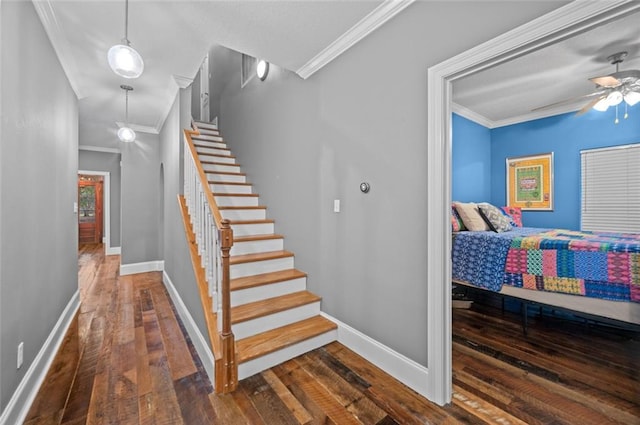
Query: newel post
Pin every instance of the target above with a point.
(229, 372)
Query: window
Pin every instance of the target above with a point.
(248, 70)
(611, 189)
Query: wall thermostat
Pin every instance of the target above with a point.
(364, 187)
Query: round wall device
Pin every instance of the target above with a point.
(262, 69)
(364, 187)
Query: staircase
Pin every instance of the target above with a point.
(273, 317)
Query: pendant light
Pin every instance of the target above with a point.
(123, 59)
(126, 133)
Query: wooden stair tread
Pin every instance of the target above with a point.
(268, 306)
(216, 155)
(235, 194)
(243, 207)
(219, 163)
(199, 145)
(265, 279)
(228, 183)
(251, 238)
(276, 339)
(262, 221)
(261, 256)
(226, 173)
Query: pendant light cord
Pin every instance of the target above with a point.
(126, 109)
(126, 21)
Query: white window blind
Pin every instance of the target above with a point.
(611, 189)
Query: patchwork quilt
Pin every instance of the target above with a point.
(593, 264)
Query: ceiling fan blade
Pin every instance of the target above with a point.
(608, 81)
(589, 105)
(568, 101)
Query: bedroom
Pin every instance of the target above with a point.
(485, 133)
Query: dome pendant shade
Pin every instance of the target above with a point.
(126, 134)
(125, 61)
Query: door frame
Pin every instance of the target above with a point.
(561, 23)
(106, 209)
(204, 90)
(98, 222)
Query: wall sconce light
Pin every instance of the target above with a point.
(262, 69)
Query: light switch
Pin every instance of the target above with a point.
(75, 208)
(336, 205)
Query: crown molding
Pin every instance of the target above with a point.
(182, 82)
(98, 149)
(467, 113)
(140, 128)
(381, 14)
(60, 43)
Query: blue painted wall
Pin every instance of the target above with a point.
(564, 135)
(471, 161)
(479, 157)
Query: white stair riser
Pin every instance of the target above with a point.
(254, 247)
(214, 151)
(251, 214)
(230, 188)
(226, 178)
(276, 320)
(216, 167)
(205, 124)
(259, 364)
(236, 201)
(259, 267)
(223, 159)
(276, 289)
(209, 143)
(252, 229)
(208, 135)
(208, 131)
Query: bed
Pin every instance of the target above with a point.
(596, 273)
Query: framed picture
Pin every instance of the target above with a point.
(530, 182)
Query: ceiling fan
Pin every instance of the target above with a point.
(611, 90)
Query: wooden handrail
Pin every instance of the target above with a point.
(226, 370)
(203, 178)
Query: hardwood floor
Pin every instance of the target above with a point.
(136, 365)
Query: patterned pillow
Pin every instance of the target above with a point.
(456, 222)
(470, 216)
(514, 214)
(497, 221)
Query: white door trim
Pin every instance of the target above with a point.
(205, 99)
(106, 208)
(571, 19)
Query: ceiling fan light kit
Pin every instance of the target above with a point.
(123, 59)
(611, 90)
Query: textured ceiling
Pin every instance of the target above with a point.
(507, 93)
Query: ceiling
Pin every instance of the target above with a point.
(173, 37)
(507, 93)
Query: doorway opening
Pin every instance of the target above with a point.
(90, 209)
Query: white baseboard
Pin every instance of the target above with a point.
(198, 340)
(21, 400)
(149, 266)
(402, 368)
(113, 250)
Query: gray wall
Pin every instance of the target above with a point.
(110, 162)
(177, 261)
(361, 118)
(140, 198)
(195, 97)
(38, 175)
